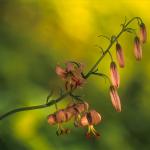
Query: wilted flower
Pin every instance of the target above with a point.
(143, 33)
(115, 78)
(90, 119)
(72, 75)
(137, 48)
(120, 55)
(115, 98)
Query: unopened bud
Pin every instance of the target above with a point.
(115, 78)
(137, 48)
(143, 33)
(115, 98)
(120, 55)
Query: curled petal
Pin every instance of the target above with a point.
(137, 48)
(69, 114)
(143, 33)
(81, 107)
(90, 118)
(115, 98)
(120, 55)
(115, 78)
(60, 71)
(61, 116)
(84, 121)
(70, 67)
(95, 117)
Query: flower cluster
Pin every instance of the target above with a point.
(74, 77)
(82, 117)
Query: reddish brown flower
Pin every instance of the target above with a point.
(143, 33)
(137, 48)
(115, 98)
(115, 78)
(90, 119)
(72, 75)
(120, 55)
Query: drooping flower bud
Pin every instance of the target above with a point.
(115, 78)
(143, 33)
(51, 119)
(120, 55)
(137, 49)
(115, 98)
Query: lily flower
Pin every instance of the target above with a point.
(90, 119)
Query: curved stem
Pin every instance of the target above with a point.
(53, 102)
(110, 45)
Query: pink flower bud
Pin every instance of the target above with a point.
(115, 98)
(143, 33)
(51, 119)
(115, 78)
(120, 55)
(137, 49)
(60, 72)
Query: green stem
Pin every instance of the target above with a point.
(110, 45)
(53, 102)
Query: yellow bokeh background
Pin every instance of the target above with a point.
(35, 35)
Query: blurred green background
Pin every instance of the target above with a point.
(35, 35)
